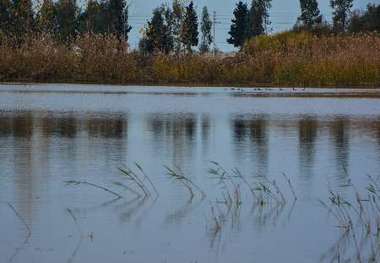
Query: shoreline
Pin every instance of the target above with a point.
(252, 91)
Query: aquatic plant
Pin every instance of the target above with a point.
(359, 218)
(178, 175)
(27, 229)
(139, 179)
(74, 182)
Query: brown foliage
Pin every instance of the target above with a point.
(286, 59)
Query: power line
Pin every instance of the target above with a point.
(214, 23)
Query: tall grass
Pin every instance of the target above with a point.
(286, 59)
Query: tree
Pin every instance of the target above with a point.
(5, 16)
(178, 11)
(239, 28)
(365, 21)
(47, 17)
(259, 17)
(126, 27)
(22, 17)
(67, 19)
(342, 10)
(310, 14)
(189, 34)
(115, 16)
(206, 26)
(95, 18)
(157, 34)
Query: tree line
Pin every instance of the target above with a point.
(63, 19)
(173, 28)
(249, 22)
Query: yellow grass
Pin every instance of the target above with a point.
(286, 59)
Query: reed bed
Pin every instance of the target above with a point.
(285, 59)
(358, 218)
(356, 212)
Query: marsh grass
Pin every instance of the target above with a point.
(263, 190)
(356, 213)
(178, 175)
(285, 59)
(27, 229)
(359, 219)
(268, 203)
(139, 178)
(76, 183)
(80, 234)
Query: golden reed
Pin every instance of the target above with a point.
(285, 59)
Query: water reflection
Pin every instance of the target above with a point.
(107, 127)
(22, 125)
(251, 139)
(205, 131)
(5, 126)
(174, 134)
(42, 149)
(65, 127)
(307, 132)
(339, 135)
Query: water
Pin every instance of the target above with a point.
(48, 138)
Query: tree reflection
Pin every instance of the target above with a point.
(5, 125)
(106, 127)
(66, 126)
(339, 130)
(22, 125)
(307, 132)
(251, 140)
(175, 135)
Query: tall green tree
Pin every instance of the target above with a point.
(341, 13)
(5, 17)
(190, 33)
(22, 17)
(95, 18)
(206, 26)
(310, 14)
(126, 26)
(157, 34)
(115, 17)
(47, 18)
(178, 10)
(369, 20)
(67, 19)
(239, 27)
(259, 17)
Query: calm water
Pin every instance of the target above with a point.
(48, 138)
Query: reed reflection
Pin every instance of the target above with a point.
(5, 125)
(21, 125)
(107, 126)
(61, 126)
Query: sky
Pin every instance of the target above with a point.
(284, 14)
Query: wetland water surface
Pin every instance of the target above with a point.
(49, 138)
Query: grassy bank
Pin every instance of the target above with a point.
(286, 59)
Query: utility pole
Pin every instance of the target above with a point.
(214, 23)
